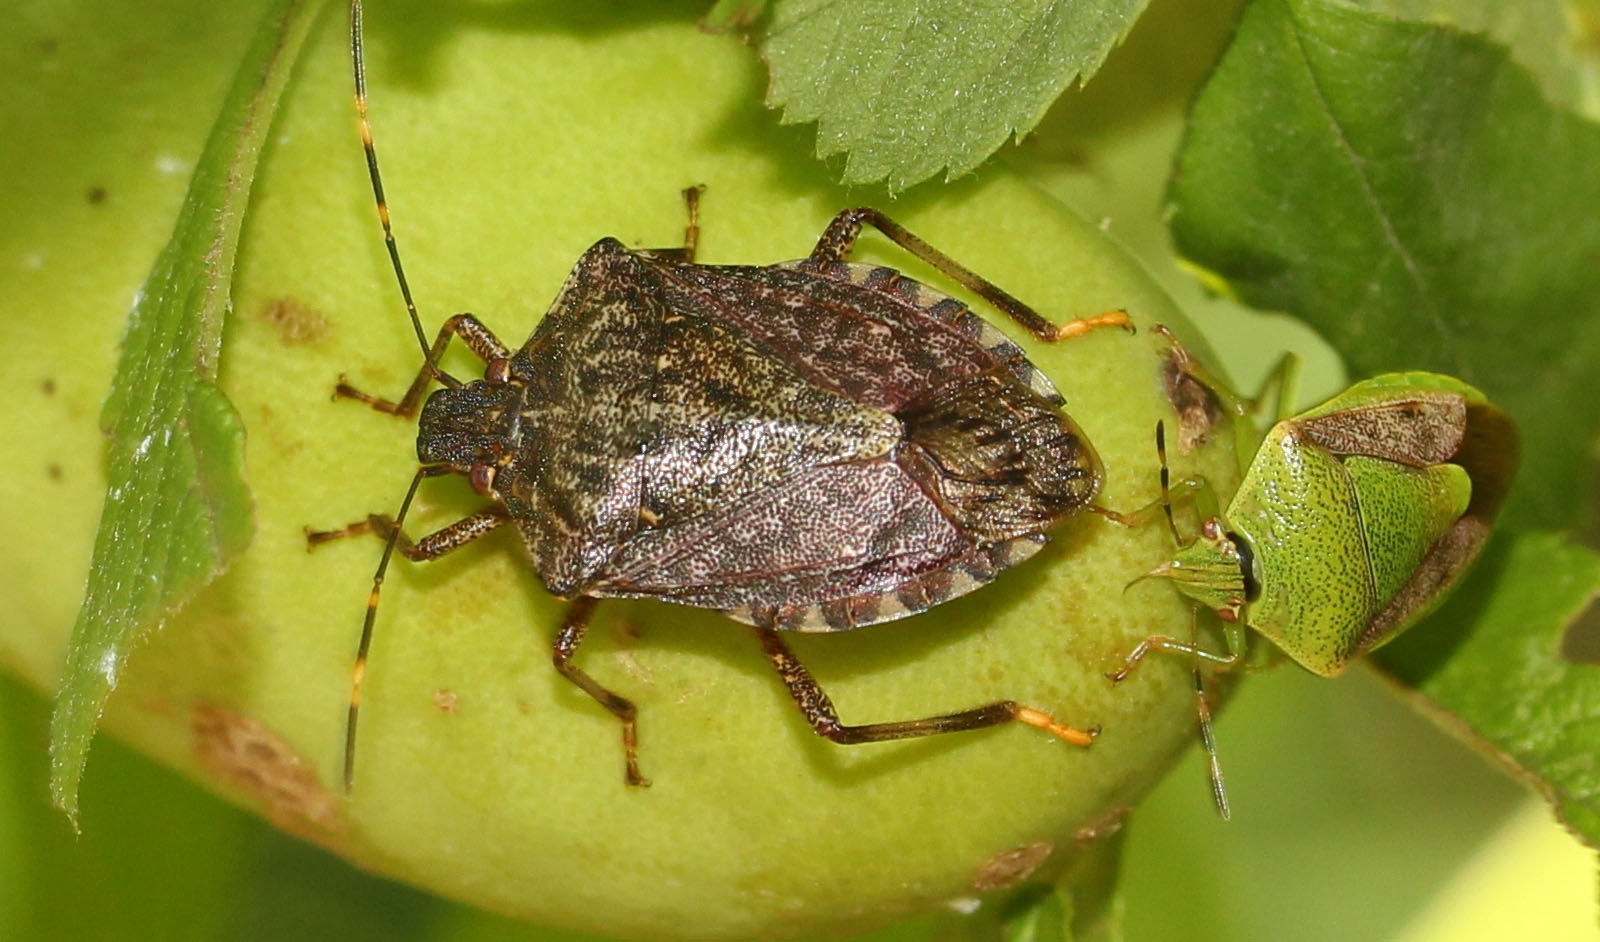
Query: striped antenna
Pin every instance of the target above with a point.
(358, 63)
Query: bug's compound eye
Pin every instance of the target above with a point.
(482, 478)
(1211, 530)
(498, 370)
(1247, 566)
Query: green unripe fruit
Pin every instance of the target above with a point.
(485, 776)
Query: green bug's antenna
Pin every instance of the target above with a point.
(1202, 700)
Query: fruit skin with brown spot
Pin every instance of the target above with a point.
(512, 801)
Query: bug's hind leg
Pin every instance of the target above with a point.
(819, 711)
(840, 237)
(568, 638)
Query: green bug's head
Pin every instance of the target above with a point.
(1215, 570)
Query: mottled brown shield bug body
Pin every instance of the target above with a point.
(810, 446)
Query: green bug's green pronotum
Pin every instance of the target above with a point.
(1354, 520)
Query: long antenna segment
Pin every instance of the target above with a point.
(360, 68)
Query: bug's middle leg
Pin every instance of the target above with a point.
(819, 711)
(568, 638)
(840, 237)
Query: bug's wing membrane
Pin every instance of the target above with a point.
(830, 531)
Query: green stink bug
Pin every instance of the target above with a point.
(1354, 520)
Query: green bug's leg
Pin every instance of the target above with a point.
(1208, 741)
(1285, 376)
(1185, 363)
(1232, 633)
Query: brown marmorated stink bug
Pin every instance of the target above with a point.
(810, 446)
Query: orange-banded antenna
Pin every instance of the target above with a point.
(359, 65)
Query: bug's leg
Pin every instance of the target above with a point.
(1233, 635)
(568, 638)
(478, 339)
(1284, 376)
(819, 711)
(691, 231)
(1208, 741)
(840, 237)
(432, 546)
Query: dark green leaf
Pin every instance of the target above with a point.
(1504, 681)
(1407, 190)
(177, 508)
(1539, 35)
(912, 87)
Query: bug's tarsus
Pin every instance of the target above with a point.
(840, 237)
(1208, 741)
(684, 254)
(573, 627)
(691, 229)
(824, 719)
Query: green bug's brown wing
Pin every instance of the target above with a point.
(1422, 429)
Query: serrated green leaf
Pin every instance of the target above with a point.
(911, 87)
(1407, 190)
(1503, 680)
(177, 507)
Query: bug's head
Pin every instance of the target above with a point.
(1217, 570)
(473, 428)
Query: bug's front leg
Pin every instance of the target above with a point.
(478, 339)
(840, 237)
(1232, 632)
(432, 546)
